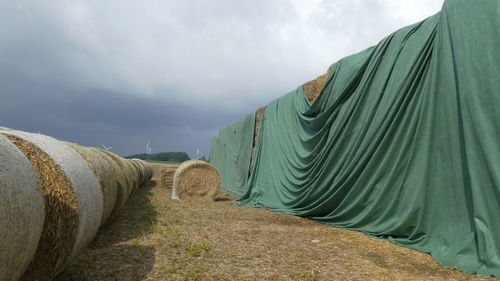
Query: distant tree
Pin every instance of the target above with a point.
(163, 156)
(203, 158)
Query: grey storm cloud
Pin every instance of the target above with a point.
(119, 72)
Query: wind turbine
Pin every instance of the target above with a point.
(107, 148)
(148, 148)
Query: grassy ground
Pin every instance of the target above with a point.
(155, 238)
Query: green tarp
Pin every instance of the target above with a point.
(231, 152)
(402, 144)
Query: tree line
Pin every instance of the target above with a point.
(162, 156)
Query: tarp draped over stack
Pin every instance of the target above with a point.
(231, 153)
(403, 142)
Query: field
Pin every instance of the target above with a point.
(155, 238)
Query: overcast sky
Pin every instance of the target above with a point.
(120, 72)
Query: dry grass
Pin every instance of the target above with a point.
(155, 238)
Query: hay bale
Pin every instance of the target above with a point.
(73, 203)
(22, 211)
(137, 171)
(196, 179)
(167, 176)
(149, 170)
(256, 131)
(104, 173)
(312, 89)
(123, 167)
(133, 174)
(140, 168)
(121, 182)
(146, 168)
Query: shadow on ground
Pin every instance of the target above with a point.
(122, 262)
(134, 220)
(115, 253)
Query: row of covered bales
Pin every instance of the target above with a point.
(54, 196)
(399, 141)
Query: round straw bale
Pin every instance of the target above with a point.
(196, 179)
(22, 211)
(147, 168)
(125, 171)
(146, 173)
(167, 176)
(137, 171)
(140, 170)
(132, 173)
(122, 188)
(73, 203)
(104, 173)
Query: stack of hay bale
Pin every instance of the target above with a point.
(54, 196)
(312, 91)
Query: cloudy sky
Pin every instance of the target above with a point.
(120, 72)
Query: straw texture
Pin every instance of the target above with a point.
(104, 173)
(167, 176)
(21, 211)
(196, 179)
(88, 198)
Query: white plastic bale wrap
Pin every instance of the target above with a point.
(133, 170)
(136, 173)
(21, 211)
(122, 190)
(110, 186)
(84, 183)
(146, 168)
(125, 171)
(141, 168)
(149, 168)
(105, 176)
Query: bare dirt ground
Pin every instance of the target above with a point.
(155, 238)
